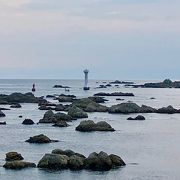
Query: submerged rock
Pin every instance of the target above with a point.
(87, 126)
(28, 122)
(77, 113)
(40, 139)
(18, 165)
(13, 156)
(54, 161)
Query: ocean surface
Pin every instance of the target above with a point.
(150, 148)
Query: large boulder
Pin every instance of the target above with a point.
(62, 116)
(87, 126)
(76, 112)
(13, 156)
(98, 162)
(3, 123)
(147, 109)
(64, 98)
(18, 165)
(40, 139)
(2, 114)
(76, 163)
(116, 160)
(89, 106)
(28, 122)
(54, 161)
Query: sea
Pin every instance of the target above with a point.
(150, 148)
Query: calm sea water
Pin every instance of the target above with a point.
(150, 148)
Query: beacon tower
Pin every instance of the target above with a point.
(86, 80)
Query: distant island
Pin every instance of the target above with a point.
(167, 83)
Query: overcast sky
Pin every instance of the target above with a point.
(114, 39)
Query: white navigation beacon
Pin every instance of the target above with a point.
(86, 71)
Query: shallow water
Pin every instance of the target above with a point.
(150, 148)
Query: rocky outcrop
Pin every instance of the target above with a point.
(60, 159)
(16, 165)
(139, 118)
(66, 98)
(17, 105)
(114, 94)
(89, 106)
(167, 83)
(54, 161)
(2, 114)
(28, 122)
(61, 124)
(77, 113)
(88, 126)
(168, 110)
(18, 98)
(40, 139)
(121, 82)
(13, 156)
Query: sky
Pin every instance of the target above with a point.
(114, 39)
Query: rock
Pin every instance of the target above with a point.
(65, 99)
(18, 165)
(4, 109)
(88, 105)
(62, 116)
(76, 163)
(20, 116)
(54, 161)
(125, 108)
(60, 86)
(3, 123)
(61, 124)
(2, 114)
(60, 107)
(119, 99)
(98, 99)
(28, 122)
(114, 94)
(48, 117)
(17, 105)
(121, 82)
(68, 153)
(50, 96)
(40, 139)
(139, 117)
(152, 98)
(88, 126)
(168, 110)
(13, 156)
(19, 98)
(98, 162)
(116, 160)
(77, 113)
